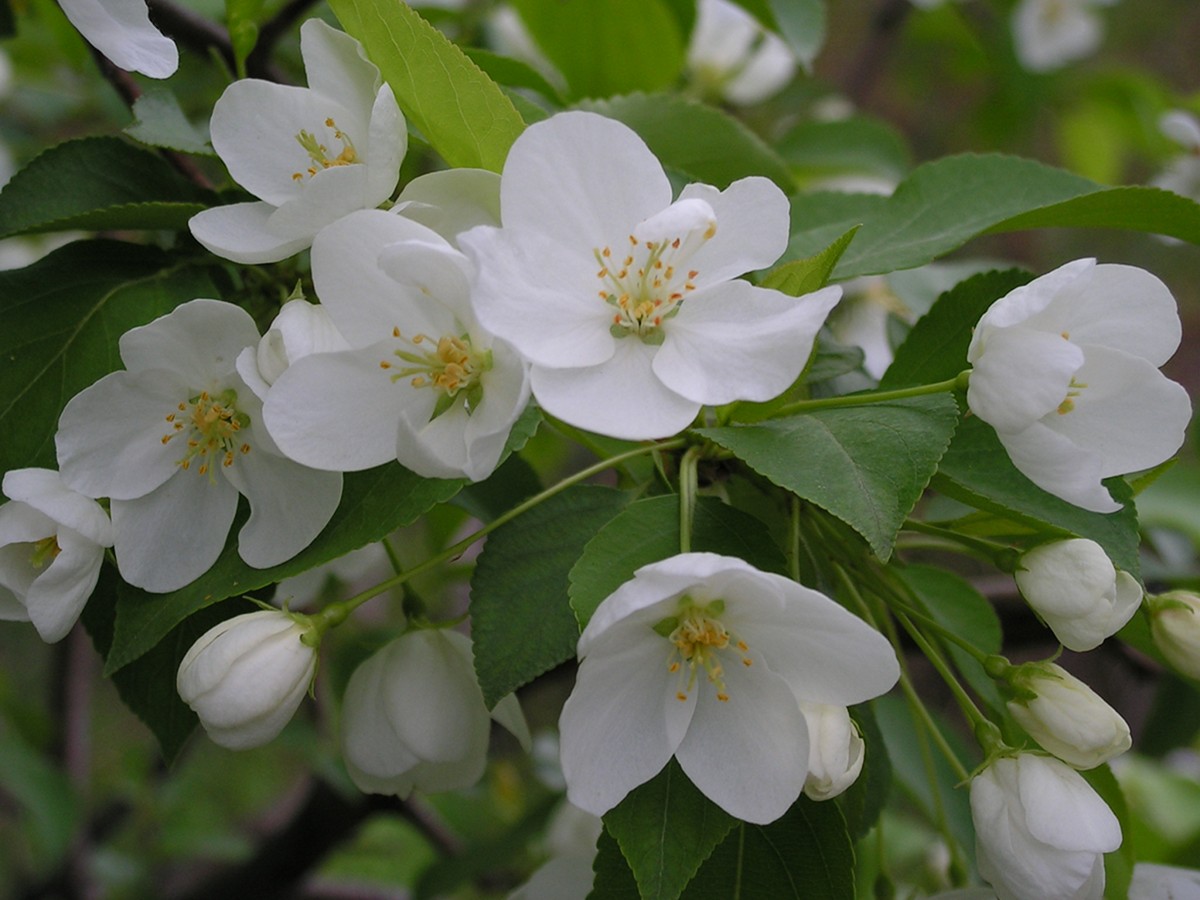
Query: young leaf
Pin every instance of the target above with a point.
(805, 855)
(520, 621)
(629, 45)
(60, 320)
(868, 465)
(459, 110)
(98, 184)
(648, 530)
(803, 276)
(821, 217)
(701, 142)
(666, 828)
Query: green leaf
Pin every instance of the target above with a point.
(701, 142)
(459, 110)
(806, 855)
(49, 809)
(1118, 865)
(943, 204)
(628, 45)
(854, 145)
(98, 184)
(863, 802)
(374, 503)
(520, 620)
(962, 610)
(511, 72)
(614, 879)
(648, 531)
(867, 465)
(160, 122)
(802, 24)
(241, 19)
(60, 319)
(803, 276)
(820, 217)
(666, 828)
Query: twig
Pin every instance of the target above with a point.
(272, 30)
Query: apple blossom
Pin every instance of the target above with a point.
(705, 658)
(1182, 174)
(1065, 716)
(300, 328)
(246, 676)
(52, 542)
(625, 302)
(311, 155)
(1152, 881)
(1175, 627)
(1065, 368)
(571, 838)
(835, 750)
(174, 438)
(1048, 34)
(122, 31)
(1077, 591)
(413, 716)
(1040, 830)
(422, 382)
(733, 57)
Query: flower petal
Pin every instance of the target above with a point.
(452, 201)
(336, 65)
(753, 223)
(1020, 375)
(122, 31)
(240, 232)
(200, 339)
(57, 597)
(1058, 466)
(44, 490)
(1063, 810)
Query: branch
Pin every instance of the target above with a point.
(203, 36)
(272, 30)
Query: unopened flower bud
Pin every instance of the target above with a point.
(1074, 587)
(299, 329)
(1066, 716)
(245, 677)
(835, 750)
(1175, 626)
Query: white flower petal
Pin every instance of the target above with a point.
(387, 143)
(239, 232)
(44, 490)
(57, 597)
(1027, 301)
(198, 339)
(768, 70)
(1020, 376)
(122, 31)
(437, 272)
(452, 201)
(1057, 465)
(336, 65)
(1181, 127)
(753, 222)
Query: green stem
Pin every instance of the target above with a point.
(688, 485)
(336, 613)
(999, 555)
(795, 539)
(957, 383)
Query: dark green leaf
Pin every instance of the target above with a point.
(803, 276)
(629, 45)
(159, 122)
(459, 110)
(98, 183)
(520, 620)
(821, 217)
(868, 465)
(697, 140)
(666, 828)
(60, 320)
(648, 531)
(855, 145)
(805, 855)
(511, 72)
(614, 879)
(802, 23)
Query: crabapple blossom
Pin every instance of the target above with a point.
(571, 837)
(1077, 591)
(625, 302)
(1065, 368)
(733, 57)
(1065, 716)
(246, 676)
(422, 382)
(300, 328)
(835, 750)
(1040, 830)
(311, 155)
(1152, 881)
(122, 31)
(1048, 34)
(174, 438)
(52, 542)
(413, 716)
(707, 659)
(1182, 174)
(1175, 627)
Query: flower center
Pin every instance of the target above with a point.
(646, 286)
(210, 426)
(44, 551)
(699, 637)
(449, 366)
(319, 153)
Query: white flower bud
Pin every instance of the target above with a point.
(1175, 626)
(245, 677)
(1074, 587)
(299, 329)
(835, 750)
(414, 717)
(1066, 716)
(1040, 830)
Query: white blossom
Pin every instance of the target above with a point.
(567, 874)
(422, 382)
(1152, 881)
(300, 328)
(1065, 369)
(246, 676)
(1040, 830)
(1182, 174)
(1175, 627)
(835, 750)
(1077, 591)
(52, 542)
(705, 658)
(413, 717)
(734, 57)
(1048, 34)
(626, 303)
(174, 438)
(122, 31)
(1066, 716)
(311, 155)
